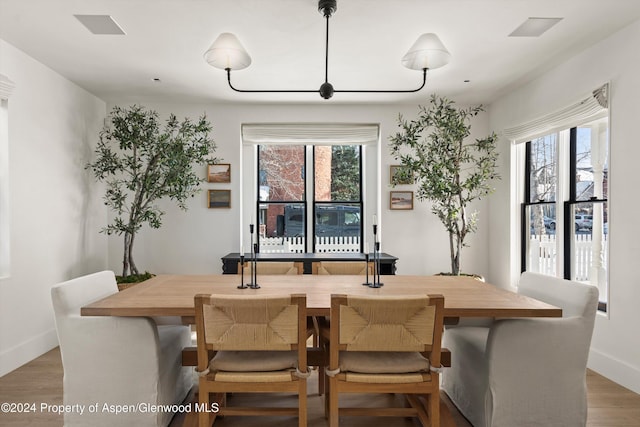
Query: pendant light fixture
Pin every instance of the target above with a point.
(427, 53)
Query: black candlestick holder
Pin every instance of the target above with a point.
(376, 260)
(254, 262)
(366, 258)
(376, 272)
(242, 285)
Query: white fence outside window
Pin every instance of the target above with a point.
(324, 244)
(285, 245)
(543, 258)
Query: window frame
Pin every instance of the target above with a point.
(310, 203)
(565, 201)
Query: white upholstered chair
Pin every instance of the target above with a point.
(116, 360)
(528, 371)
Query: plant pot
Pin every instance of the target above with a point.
(474, 276)
(132, 280)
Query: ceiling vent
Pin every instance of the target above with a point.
(100, 24)
(534, 27)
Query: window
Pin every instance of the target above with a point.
(6, 87)
(336, 207)
(539, 210)
(565, 209)
(337, 198)
(281, 193)
(310, 187)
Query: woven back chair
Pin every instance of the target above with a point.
(260, 346)
(386, 344)
(272, 267)
(342, 267)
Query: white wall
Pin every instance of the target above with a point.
(193, 242)
(615, 350)
(55, 211)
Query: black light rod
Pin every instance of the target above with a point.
(268, 90)
(326, 53)
(424, 80)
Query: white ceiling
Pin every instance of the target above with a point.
(166, 39)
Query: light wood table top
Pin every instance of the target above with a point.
(172, 295)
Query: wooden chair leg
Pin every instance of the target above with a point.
(321, 384)
(302, 404)
(332, 396)
(326, 396)
(434, 409)
(203, 416)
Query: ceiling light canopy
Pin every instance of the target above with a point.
(427, 53)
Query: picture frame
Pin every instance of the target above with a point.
(219, 172)
(401, 200)
(393, 170)
(217, 199)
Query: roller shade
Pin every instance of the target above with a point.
(310, 133)
(589, 108)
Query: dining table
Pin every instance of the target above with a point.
(173, 294)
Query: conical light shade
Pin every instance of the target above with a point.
(427, 52)
(227, 52)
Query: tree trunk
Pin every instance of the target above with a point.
(457, 257)
(132, 265)
(128, 266)
(455, 254)
(125, 258)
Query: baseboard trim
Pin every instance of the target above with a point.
(616, 370)
(25, 352)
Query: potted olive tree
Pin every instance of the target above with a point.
(142, 162)
(449, 170)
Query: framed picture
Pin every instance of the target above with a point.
(220, 172)
(394, 171)
(401, 200)
(219, 199)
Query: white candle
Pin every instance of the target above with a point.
(375, 220)
(241, 249)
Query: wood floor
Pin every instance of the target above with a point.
(40, 381)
